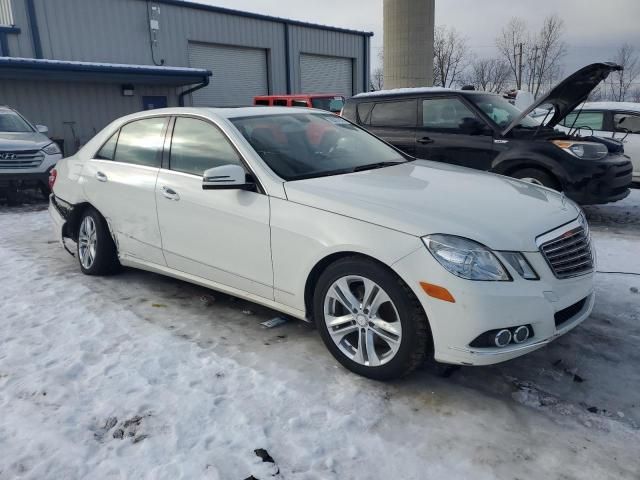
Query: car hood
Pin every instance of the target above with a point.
(423, 197)
(16, 141)
(569, 93)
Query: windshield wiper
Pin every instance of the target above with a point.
(373, 166)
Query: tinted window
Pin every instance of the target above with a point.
(299, 103)
(395, 114)
(197, 146)
(109, 148)
(280, 102)
(446, 114)
(626, 122)
(262, 102)
(364, 112)
(592, 120)
(140, 142)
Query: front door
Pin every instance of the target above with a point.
(448, 132)
(219, 235)
(395, 122)
(120, 182)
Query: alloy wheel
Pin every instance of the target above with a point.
(362, 320)
(87, 242)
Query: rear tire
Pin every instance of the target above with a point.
(369, 319)
(537, 177)
(96, 251)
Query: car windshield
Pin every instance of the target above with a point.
(330, 104)
(501, 112)
(14, 123)
(307, 145)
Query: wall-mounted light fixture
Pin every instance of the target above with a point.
(127, 90)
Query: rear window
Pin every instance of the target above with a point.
(395, 114)
(280, 102)
(593, 120)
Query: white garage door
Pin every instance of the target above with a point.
(322, 74)
(239, 74)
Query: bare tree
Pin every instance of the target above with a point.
(533, 59)
(635, 95)
(488, 74)
(544, 54)
(377, 79)
(450, 52)
(620, 82)
(510, 43)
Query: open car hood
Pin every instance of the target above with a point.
(569, 93)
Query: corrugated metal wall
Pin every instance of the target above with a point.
(91, 106)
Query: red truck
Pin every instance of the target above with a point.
(324, 101)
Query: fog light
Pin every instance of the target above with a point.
(502, 338)
(521, 334)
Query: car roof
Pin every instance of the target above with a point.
(227, 112)
(302, 95)
(409, 92)
(628, 106)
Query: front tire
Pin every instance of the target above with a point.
(96, 251)
(369, 319)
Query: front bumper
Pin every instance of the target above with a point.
(483, 306)
(604, 183)
(31, 176)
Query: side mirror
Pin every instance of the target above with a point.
(42, 129)
(226, 177)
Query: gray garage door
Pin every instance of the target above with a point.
(322, 74)
(239, 74)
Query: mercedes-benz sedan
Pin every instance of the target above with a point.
(300, 210)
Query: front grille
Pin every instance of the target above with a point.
(20, 160)
(569, 255)
(568, 313)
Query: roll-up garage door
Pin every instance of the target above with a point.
(239, 74)
(321, 74)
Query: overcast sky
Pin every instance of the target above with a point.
(594, 30)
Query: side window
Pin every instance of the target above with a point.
(448, 114)
(395, 114)
(364, 112)
(140, 142)
(280, 102)
(626, 122)
(299, 103)
(594, 120)
(197, 146)
(109, 148)
(261, 102)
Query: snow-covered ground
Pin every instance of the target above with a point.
(141, 376)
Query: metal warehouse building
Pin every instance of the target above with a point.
(75, 65)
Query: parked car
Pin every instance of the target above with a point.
(393, 258)
(617, 120)
(330, 102)
(484, 131)
(27, 155)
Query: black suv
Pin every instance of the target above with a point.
(484, 131)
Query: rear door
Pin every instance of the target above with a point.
(219, 235)
(393, 121)
(120, 182)
(444, 135)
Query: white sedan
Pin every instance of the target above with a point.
(393, 258)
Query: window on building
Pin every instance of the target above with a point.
(448, 114)
(197, 146)
(109, 148)
(6, 14)
(140, 142)
(395, 114)
(626, 122)
(594, 120)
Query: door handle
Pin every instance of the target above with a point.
(101, 177)
(425, 140)
(170, 193)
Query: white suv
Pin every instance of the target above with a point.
(27, 155)
(300, 210)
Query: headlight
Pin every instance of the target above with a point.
(466, 258)
(520, 265)
(583, 150)
(51, 149)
